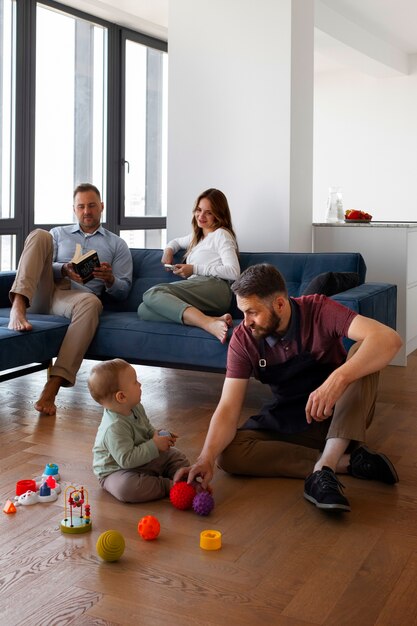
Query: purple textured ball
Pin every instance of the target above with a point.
(203, 503)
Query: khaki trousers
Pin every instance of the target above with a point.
(271, 453)
(34, 280)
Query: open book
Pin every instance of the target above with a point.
(84, 264)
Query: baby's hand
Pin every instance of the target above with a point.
(164, 442)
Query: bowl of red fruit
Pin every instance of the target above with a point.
(358, 217)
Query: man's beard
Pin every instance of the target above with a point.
(271, 328)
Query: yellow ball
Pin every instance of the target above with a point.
(110, 545)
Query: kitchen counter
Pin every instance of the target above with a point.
(390, 253)
(372, 223)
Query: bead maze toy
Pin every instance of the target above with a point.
(76, 501)
(110, 545)
(149, 527)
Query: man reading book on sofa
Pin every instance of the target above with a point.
(47, 283)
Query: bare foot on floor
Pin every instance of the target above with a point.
(18, 320)
(219, 326)
(46, 402)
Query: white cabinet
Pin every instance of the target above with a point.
(390, 253)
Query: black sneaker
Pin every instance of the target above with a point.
(324, 489)
(372, 466)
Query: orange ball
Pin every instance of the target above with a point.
(149, 527)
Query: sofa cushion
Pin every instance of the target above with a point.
(39, 345)
(147, 272)
(331, 283)
(300, 268)
(125, 336)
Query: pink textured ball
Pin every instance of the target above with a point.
(182, 495)
(203, 503)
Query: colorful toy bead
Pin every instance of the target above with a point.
(110, 545)
(51, 482)
(203, 503)
(149, 527)
(44, 489)
(9, 507)
(182, 495)
(51, 469)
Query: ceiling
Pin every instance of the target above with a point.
(377, 37)
(392, 23)
(148, 16)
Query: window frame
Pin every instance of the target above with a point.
(147, 222)
(24, 185)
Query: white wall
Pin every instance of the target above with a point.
(240, 116)
(365, 140)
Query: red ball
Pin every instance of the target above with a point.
(182, 495)
(149, 527)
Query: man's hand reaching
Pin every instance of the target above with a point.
(201, 471)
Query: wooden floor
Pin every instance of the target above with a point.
(282, 562)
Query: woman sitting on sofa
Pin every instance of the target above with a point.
(211, 263)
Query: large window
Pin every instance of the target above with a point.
(81, 100)
(70, 141)
(144, 109)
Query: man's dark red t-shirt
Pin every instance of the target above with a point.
(323, 324)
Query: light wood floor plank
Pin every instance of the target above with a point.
(367, 594)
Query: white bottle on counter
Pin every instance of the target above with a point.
(335, 205)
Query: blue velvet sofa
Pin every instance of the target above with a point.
(122, 334)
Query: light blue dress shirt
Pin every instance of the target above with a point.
(110, 249)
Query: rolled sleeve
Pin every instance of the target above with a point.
(180, 243)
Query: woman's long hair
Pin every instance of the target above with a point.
(221, 213)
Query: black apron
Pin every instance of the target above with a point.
(291, 384)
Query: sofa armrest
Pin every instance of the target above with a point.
(6, 281)
(375, 300)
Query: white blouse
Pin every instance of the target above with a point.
(215, 255)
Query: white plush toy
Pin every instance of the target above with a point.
(32, 497)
